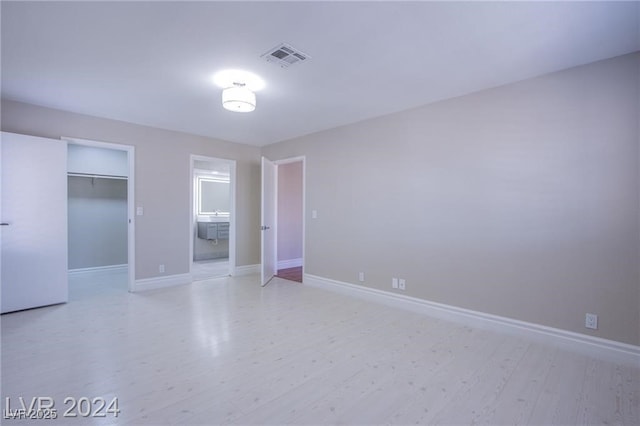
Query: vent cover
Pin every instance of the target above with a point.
(285, 55)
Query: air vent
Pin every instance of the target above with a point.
(285, 55)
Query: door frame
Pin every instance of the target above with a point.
(268, 225)
(131, 202)
(232, 208)
(278, 163)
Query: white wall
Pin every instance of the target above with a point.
(521, 201)
(290, 211)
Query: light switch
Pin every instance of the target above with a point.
(139, 211)
(314, 214)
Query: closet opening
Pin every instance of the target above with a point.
(100, 229)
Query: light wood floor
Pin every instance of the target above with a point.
(203, 269)
(228, 351)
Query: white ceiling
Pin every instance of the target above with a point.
(151, 62)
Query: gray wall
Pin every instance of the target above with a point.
(97, 214)
(521, 201)
(97, 207)
(290, 211)
(162, 181)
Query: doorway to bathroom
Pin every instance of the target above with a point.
(213, 221)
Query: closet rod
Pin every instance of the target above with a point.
(96, 176)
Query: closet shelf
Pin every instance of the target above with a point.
(96, 176)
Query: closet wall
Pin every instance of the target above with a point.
(97, 207)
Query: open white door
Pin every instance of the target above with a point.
(34, 222)
(268, 209)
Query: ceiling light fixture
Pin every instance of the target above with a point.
(238, 98)
(238, 89)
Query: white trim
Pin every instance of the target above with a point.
(243, 270)
(268, 269)
(290, 160)
(276, 213)
(304, 210)
(99, 269)
(593, 346)
(131, 198)
(289, 263)
(145, 284)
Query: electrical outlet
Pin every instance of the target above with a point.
(394, 283)
(161, 268)
(591, 321)
(402, 284)
(361, 277)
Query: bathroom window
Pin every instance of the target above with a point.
(213, 196)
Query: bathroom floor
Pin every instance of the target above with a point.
(203, 269)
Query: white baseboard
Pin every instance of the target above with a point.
(161, 282)
(246, 270)
(289, 263)
(594, 346)
(100, 269)
(180, 279)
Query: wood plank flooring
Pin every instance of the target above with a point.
(205, 269)
(227, 351)
(291, 274)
